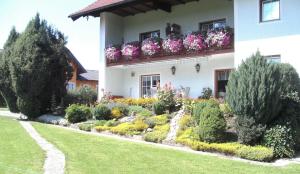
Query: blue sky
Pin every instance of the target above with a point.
(83, 35)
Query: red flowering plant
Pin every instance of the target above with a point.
(194, 42)
(131, 50)
(113, 53)
(151, 46)
(220, 38)
(173, 45)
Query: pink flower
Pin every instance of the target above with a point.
(219, 39)
(113, 53)
(194, 42)
(151, 46)
(132, 50)
(173, 45)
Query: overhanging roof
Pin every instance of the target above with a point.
(126, 7)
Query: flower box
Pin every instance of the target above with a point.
(173, 45)
(151, 46)
(221, 38)
(131, 50)
(194, 42)
(113, 53)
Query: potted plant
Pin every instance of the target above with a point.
(173, 45)
(113, 53)
(221, 38)
(151, 46)
(131, 50)
(194, 42)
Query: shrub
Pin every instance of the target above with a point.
(185, 122)
(159, 108)
(100, 122)
(140, 125)
(159, 133)
(130, 128)
(256, 153)
(144, 102)
(280, 138)
(166, 95)
(2, 101)
(254, 91)
(116, 113)
(78, 113)
(199, 106)
(102, 128)
(111, 123)
(84, 95)
(189, 133)
(85, 126)
(248, 131)
(139, 111)
(206, 93)
(212, 124)
(102, 112)
(157, 120)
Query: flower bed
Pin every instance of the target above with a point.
(195, 42)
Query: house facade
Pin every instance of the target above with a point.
(270, 26)
(81, 76)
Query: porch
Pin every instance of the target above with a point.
(191, 73)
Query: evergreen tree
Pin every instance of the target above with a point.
(6, 89)
(39, 68)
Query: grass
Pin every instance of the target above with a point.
(19, 154)
(93, 154)
(3, 109)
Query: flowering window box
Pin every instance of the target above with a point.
(113, 53)
(173, 45)
(194, 42)
(219, 39)
(131, 50)
(151, 47)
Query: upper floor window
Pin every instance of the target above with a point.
(269, 10)
(150, 34)
(211, 25)
(273, 59)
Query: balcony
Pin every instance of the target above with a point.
(196, 44)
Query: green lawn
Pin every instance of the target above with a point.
(87, 154)
(19, 154)
(3, 109)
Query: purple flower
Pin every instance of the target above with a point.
(219, 39)
(131, 50)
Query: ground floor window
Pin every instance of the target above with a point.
(221, 80)
(149, 84)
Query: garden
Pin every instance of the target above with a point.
(259, 120)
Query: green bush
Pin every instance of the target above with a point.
(199, 106)
(130, 128)
(84, 95)
(159, 133)
(139, 111)
(101, 112)
(256, 153)
(281, 139)
(212, 124)
(111, 123)
(86, 126)
(100, 122)
(166, 95)
(206, 93)
(254, 91)
(159, 108)
(78, 113)
(157, 120)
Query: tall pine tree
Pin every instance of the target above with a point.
(39, 68)
(6, 89)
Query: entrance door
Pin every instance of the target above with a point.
(221, 80)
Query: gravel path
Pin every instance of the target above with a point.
(55, 159)
(174, 126)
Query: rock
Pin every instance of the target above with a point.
(51, 119)
(127, 119)
(149, 130)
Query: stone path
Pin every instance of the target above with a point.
(174, 126)
(10, 114)
(55, 159)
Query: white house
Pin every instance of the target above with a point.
(270, 26)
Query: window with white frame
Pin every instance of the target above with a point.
(212, 25)
(71, 86)
(149, 85)
(269, 10)
(273, 59)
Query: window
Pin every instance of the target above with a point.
(221, 80)
(211, 25)
(71, 86)
(273, 59)
(150, 34)
(269, 10)
(149, 84)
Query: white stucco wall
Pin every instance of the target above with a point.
(270, 38)
(185, 75)
(188, 16)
